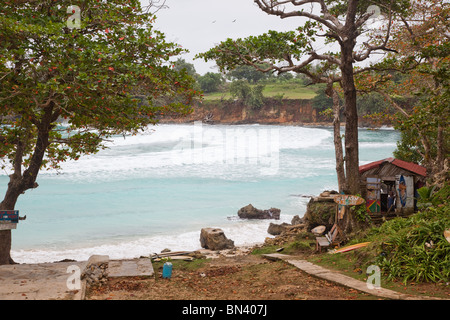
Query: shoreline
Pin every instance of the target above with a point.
(122, 250)
(326, 125)
(26, 255)
(207, 253)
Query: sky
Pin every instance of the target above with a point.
(198, 25)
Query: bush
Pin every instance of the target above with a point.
(249, 95)
(415, 249)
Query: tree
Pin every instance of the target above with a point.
(240, 89)
(182, 66)
(340, 23)
(246, 72)
(102, 77)
(210, 82)
(322, 101)
(249, 95)
(421, 40)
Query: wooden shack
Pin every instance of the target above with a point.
(389, 186)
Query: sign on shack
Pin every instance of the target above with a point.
(9, 219)
(348, 200)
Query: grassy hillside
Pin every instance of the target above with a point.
(286, 90)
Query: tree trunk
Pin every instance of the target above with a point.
(18, 184)
(339, 153)
(12, 194)
(5, 247)
(351, 119)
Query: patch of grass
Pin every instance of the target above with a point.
(217, 96)
(297, 247)
(355, 264)
(189, 266)
(412, 254)
(289, 90)
(265, 250)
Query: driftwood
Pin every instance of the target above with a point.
(170, 254)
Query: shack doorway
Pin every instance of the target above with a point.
(388, 196)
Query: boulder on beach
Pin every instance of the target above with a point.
(250, 212)
(215, 239)
(276, 229)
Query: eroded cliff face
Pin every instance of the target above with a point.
(234, 112)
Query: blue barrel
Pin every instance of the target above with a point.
(167, 270)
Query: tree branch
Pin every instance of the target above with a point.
(327, 20)
(364, 56)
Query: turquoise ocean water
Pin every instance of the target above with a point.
(157, 190)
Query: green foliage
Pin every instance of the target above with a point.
(249, 95)
(339, 8)
(425, 197)
(240, 89)
(210, 82)
(322, 101)
(182, 66)
(360, 212)
(110, 76)
(247, 73)
(442, 196)
(423, 56)
(372, 103)
(415, 249)
(430, 196)
(409, 147)
(271, 47)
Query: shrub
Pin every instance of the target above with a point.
(415, 249)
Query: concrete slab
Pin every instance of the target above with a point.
(46, 281)
(276, 256)
(130, 268)
(49, 281)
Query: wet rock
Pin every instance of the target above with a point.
(296, 220)
(250, 212)
(215, 239)
(276, 229)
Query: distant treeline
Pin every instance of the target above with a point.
(247, 84)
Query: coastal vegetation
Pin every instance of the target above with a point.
(340, 23)
(412, 254)
(123, 79)
(101, 67)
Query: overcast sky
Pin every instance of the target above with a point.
(198, 25)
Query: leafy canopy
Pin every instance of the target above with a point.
(112, 75)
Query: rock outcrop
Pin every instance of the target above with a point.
(320, 211)
(289, 234)
(215, 239)
(276, 229)
(96, 271)
(250, 212)
(296, 220)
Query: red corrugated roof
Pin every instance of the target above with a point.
(415, 168)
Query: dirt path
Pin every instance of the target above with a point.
(246, 277)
